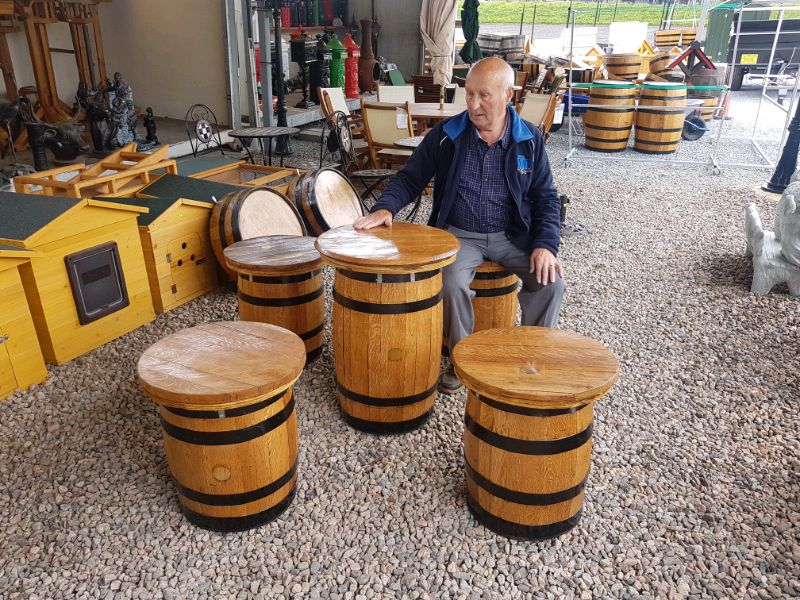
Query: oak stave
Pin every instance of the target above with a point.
(608, 129)
(495, 303)
(252, 213)
(659, 118)
(325, 199)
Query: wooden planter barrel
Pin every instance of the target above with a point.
(387, 321)
(528, 425)
(668, 38)
(659, 117)
(708, 77)
(251, 213)
(608, 129)
(495, 303)
(325, 199)
(659, 67)
(623, 66)
(228, 419)
(280, 282)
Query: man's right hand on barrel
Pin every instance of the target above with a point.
(376, 219)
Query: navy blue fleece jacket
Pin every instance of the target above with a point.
(536, 221)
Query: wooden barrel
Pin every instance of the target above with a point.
(624, 66)
(659, 117)
(495, 302)
(668, 38)
(251, 213)
(528, 425)
(688, 36)
(706, 113)
(280, 282)
(387, 321)
(659, 68)
(708, 77)
(608, 129)
(228, 419)
(325, 199)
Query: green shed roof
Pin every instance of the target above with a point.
(22, 215)
(177, 186)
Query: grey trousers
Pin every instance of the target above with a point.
(540, 303)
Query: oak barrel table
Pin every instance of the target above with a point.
(387, 321)
(528, 425)
(280, 282)
(228, 419)
(495, 302)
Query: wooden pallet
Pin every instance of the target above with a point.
(125, 171)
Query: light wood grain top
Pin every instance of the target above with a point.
(401, 248)
(222, 365)
(274, 254)
(535, 367)
(430, 110)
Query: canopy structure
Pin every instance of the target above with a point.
(471, 53)
(437, 23)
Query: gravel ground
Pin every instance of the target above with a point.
(694, 485)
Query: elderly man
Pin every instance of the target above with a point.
(493, 190)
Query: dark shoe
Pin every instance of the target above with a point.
(448, 382)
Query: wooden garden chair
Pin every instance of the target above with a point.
(333, 100)
(396, 93)
(380, 126)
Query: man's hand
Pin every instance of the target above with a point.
(376, 219)
(545, 265)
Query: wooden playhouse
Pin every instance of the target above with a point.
(90, 284)
(177, 249)
(21, 361)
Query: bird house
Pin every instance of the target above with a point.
(177, 249)
(90, 284)
(21, 361)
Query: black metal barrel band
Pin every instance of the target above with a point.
(611, 110)
(278, 302)
(225, 414)
(389, 277)
(525, 498)
(602, 128)
(488, 275)
(235, 210)
(529, 412)
(528, 447)
(237, 499)
(493, 292)
(230, 524)
(385, 402)
(386, 309)
(518, 530)
(226, 438)
(657, 130)
(282, 279)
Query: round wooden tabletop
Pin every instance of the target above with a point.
(274, 255)
(431, 110)
(535, 367)
(401, 248)
(221, 366)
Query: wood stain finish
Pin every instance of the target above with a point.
(528, 425)
(608, 129)
(228, 419)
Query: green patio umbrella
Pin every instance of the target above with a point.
(471, 53)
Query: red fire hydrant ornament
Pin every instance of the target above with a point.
(351, 67)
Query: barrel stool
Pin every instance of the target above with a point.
(228, 419)
(495, 302)
(280, 282)
(528, 425)
(387, 321)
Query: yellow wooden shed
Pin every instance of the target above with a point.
(21, 361)
(90, 284)
(177, 249)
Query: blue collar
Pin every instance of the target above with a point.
(519, 131)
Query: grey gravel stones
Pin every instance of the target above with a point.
(695, 478)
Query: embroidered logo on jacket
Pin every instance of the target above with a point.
(523, 165)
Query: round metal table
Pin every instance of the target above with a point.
(261, 134)
(409, 143)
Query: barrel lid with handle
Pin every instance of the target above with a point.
(274, 255)
(401, 248)
(221, 366)
(535, 367)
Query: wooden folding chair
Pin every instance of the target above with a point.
(522, 79)
(333, 100)
(381, 128)
(396, 93)
(540, 110)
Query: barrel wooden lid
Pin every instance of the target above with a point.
(535, 367)
(401, 248)
(220, 366)
(274, 255)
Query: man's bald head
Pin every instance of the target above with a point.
(494, 70)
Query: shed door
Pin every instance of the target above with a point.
(8, 381)
(188, 270)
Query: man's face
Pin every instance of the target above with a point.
(486, 98)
